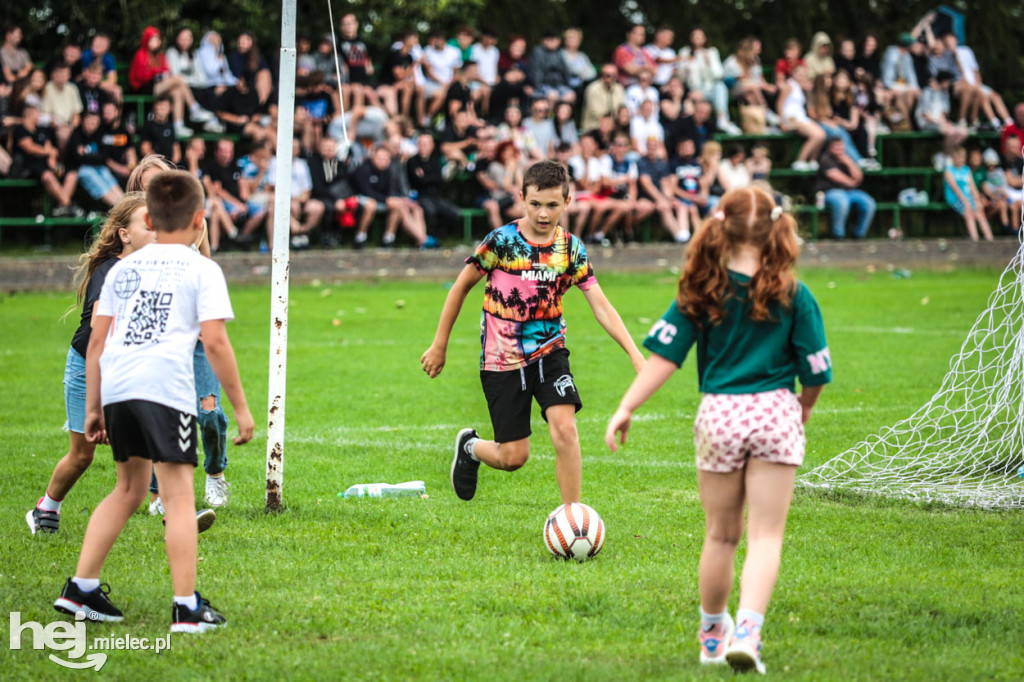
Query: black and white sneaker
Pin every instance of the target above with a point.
(95, 605)
(40, 521)
(204, 618)
(464, 467)
(204, 519)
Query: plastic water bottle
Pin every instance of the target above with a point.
(1020, 472)
(408, 489)
(819, 201)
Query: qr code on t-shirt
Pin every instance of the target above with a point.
(149, 317)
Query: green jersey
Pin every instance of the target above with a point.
(739, 355)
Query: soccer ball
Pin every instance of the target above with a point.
(574, 531)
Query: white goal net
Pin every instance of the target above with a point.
(965, 446)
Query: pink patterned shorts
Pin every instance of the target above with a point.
(731, 428)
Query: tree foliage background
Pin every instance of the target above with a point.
(995, 28)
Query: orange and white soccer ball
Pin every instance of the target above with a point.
(574, 531)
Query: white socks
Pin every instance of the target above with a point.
(752, 616)
(86, 584)
(470, 445)
(710, 620)
(189, 601)
(49, 504)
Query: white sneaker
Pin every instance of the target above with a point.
(216, 491)
(156, 508)
(200, 115)
(181, 130)
(801, 165)
(213, 126)
(729, 128)
(812, 165)
(939, 161)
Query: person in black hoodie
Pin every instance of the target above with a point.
(84, 153)
(332, 185)
(424, 171)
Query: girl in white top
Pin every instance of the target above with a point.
(700, 67)
(793, 112)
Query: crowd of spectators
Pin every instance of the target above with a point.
(414, 132)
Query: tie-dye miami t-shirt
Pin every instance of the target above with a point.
(522, 316)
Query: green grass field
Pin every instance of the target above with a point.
(437, 588)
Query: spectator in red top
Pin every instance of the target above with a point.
(1015, 129)
(630, 57)
(150, 75)
(790, 59)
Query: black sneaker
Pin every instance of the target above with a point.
(95, 605)
(204, 618)
(204, 519)
(464, 467)
(40, 521)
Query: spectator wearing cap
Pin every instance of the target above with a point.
(548, 71)
(840, 178)
(603, 97)
(898, 74)
(630, 58)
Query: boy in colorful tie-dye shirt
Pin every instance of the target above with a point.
(529, 264)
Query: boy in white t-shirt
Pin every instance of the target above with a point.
(140, 395)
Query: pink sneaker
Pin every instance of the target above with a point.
(713, 642)
(744, 652)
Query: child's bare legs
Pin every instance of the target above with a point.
(976, 219)
(972, 228)
(568, 458)
(722, 498)
(504, 456)
(71, 467)
(181, 537)
(110, 516)
(814, 139)
(769, 491)
(580, 219)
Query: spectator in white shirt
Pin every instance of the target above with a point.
(642, 90)
(663, 54)
(439, 63)
(990, 102)
(645, 127)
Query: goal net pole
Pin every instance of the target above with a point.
(280, 261)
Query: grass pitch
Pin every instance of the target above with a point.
(437, 588)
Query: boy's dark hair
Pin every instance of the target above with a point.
(173, 198)
(165, 97)
(545, 175)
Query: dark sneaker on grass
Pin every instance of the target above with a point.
(40, 521)
(95, 605)
(204, 618)
(204, 519)
(464, 467)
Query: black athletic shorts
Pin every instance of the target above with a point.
(510, 394)
(139, 428)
